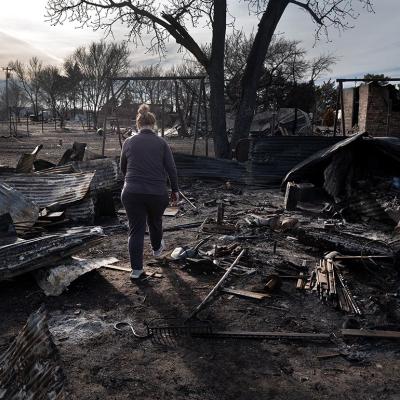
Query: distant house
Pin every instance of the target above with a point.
(373, 108)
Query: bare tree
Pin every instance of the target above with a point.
(74, 79)
(29, 79)
(16, 98)
(54, 87)
(98, 63)
(174, 18)
(320, 65)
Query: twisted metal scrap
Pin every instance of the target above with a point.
(29, 368)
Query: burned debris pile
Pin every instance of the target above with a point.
(357, 175)
(41, 209)
(328, 248)
(25, 255)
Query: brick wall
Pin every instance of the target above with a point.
(363, 106)
(348, 103)
(373, 111)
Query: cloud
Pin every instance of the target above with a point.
(370, 47)
(15, 49)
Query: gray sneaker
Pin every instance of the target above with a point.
(136, 274)
(157, 253)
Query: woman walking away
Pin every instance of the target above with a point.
(146, 160)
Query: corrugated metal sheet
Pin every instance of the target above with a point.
(83, 211)
(272, 157)
(46, 189)
(209, 168)
(30, 368)
(105, 173)
(380, 156)
(23, 212)
(28, 255)
(366, 205)
(317, 156)
(61, 169)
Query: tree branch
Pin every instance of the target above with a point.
(307, 7)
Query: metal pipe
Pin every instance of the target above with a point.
(217, 286)
(342, 103)
(196, 125)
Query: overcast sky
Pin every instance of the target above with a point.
(372, 46)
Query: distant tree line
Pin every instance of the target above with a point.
(81, 84)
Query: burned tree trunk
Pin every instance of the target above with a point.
(183, 131)
(254, 68)
(215, 70)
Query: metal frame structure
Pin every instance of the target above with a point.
(340, 101)
(202, 101)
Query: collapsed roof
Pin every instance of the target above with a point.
(359, 156)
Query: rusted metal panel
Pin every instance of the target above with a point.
(46, 189)
(24, 212)
(30, 367)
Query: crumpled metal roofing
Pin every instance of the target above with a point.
(61, 169)
(30, 368)
(83, 211)
(24, 212)
(380, 154)
(105, 173)
(212, 168)
(46, 189)
(27, 255)
(272, 157)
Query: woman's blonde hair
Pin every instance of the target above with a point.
(144, 117)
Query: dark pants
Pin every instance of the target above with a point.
(139, 209)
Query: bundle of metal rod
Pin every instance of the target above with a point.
(347, 302)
